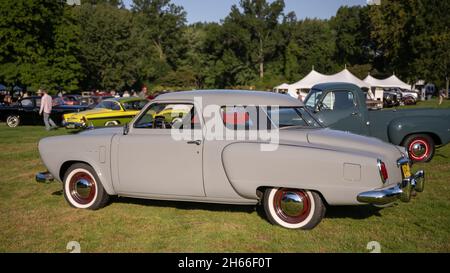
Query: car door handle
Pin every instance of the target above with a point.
(196, 142)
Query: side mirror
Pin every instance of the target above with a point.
(126, 129)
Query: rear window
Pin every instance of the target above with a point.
(266, 118)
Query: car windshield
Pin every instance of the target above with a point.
(313, 99)
(291, 116)
(134, 105)
(111, 105)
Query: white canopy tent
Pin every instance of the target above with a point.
(315, 77)
(390, 82)
(347, 76)
(307, 82)
(282, 88)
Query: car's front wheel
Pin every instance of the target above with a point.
(13, 121)
(82, 188)
(294, 208)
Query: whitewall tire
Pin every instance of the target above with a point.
(82, 188)
(293, 208)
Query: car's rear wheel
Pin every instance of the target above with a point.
(293, 208)
(82, 188)
(13, 121)
(420, 147)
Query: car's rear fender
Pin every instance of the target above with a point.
(338, 176)
(438, 128)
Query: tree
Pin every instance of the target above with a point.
(352, 28)
(161, 23)
(313, 45)
(114, 56)
(412, 38)
(260, 20)
(35, 47)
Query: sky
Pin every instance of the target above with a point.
(215, 10)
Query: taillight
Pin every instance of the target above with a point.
(383, 171)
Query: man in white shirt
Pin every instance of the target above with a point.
(46, 110)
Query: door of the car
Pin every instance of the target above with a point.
(338, 110)
(153, 158)
(29, 111)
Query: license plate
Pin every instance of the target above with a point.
(406, 171)
(70, 126)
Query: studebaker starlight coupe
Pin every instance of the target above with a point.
(231, 147)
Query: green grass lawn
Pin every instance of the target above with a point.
(35, 218)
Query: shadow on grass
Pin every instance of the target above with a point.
(186, 205)
(352, 212)
(58, 193)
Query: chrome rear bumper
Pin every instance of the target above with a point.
(402, 191)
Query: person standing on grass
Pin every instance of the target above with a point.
(46, 110)
(441, 96)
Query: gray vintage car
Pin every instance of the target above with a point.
(231, 147)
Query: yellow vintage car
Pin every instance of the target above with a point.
(110, 112)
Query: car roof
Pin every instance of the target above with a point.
(125, 100)
(334, 85)
(232, 97)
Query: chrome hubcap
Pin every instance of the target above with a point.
(292, 204)
(12, 121)
(83, 188)
(419, 149)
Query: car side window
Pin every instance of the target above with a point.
(27, 103)
(168, 116)
(239, 117)
(115, 106)
(338, 100)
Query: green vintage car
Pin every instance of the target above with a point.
(342, 106)
(110, 112)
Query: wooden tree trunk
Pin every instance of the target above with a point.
(261, 59)
(447, 85)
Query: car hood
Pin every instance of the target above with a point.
(340, 140)
(87, 113)
(103, 131)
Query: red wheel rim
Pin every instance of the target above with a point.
(291, 205)
(419, 149)
(82, 188)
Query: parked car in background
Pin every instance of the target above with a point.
(26, 112)
(391, 99)
(93, 101)
(342, 106)
(71, 99)
(309, 166)
(109, 112)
